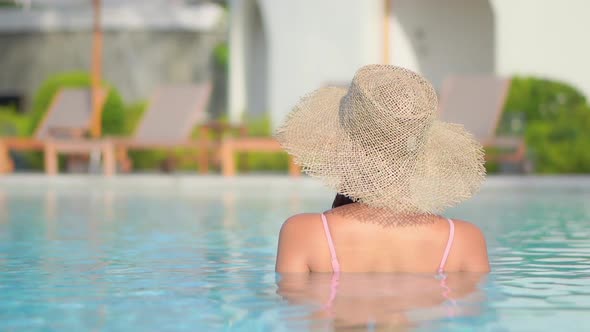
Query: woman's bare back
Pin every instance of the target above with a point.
(415, 244)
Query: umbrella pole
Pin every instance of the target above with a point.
(386, 32)
(96, 69)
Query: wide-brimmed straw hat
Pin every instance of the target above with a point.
(379, 142)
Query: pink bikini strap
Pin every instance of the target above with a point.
(449, 245)
(335, 263)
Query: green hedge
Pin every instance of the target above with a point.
(262, 161)
(113, 115)
(541, 99)
(561, 145)
(556, 120)
(13, 123)
(221, 55)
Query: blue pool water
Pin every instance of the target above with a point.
(197, 254)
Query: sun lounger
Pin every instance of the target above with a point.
(69, 115)
(172, 115)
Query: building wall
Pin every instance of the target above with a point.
(438, 38)
(139, 52)
(546, 38)
(257, 65)
(310, 43)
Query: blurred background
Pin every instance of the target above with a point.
(514, 73)
(197, 87)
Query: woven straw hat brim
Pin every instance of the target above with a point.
(446, 168)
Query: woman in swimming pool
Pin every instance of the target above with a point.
(395, 166)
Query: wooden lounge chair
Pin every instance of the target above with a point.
(231, 146)
(69, 115)
(172, 114)
(477, 102)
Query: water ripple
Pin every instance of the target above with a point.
(203, 259)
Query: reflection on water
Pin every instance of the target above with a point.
(3, 208)
(383, 300)
(154, 257)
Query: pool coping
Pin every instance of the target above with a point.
(189, 180)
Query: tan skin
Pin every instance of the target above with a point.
(371, 247)
(413, 248)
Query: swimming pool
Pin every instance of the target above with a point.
(155, 253)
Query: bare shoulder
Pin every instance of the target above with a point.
(471, 247)
(300, 223)
(294, 240)
(471, 231)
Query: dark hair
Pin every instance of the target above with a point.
(341, 200)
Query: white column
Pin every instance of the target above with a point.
(237, 48)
